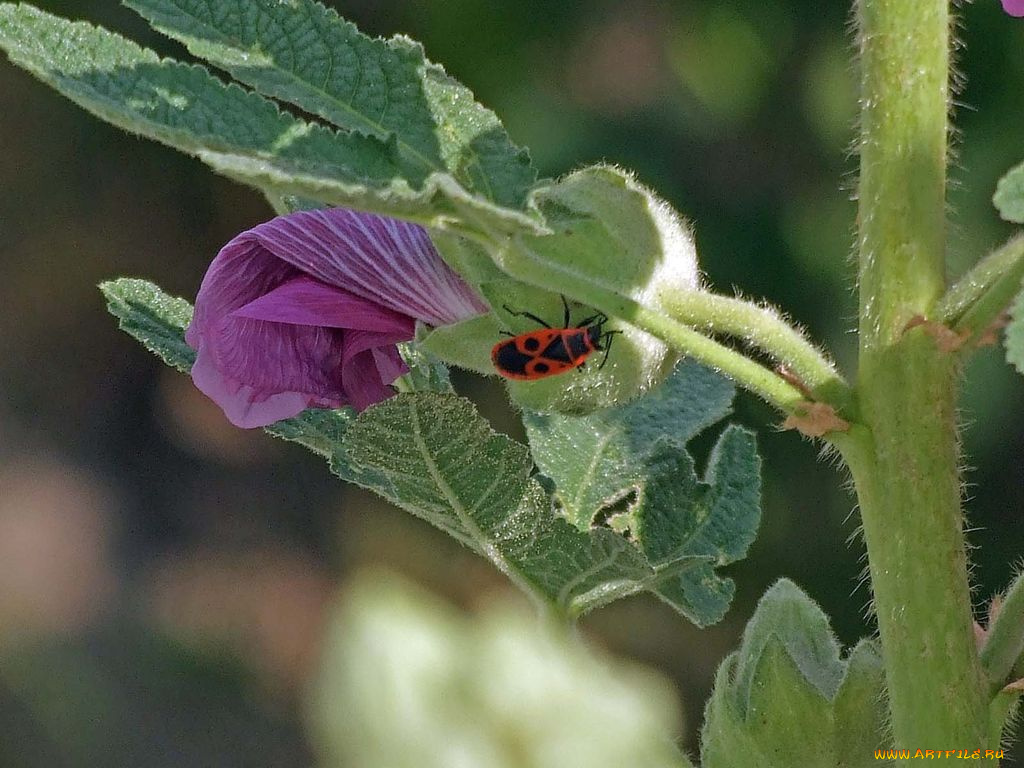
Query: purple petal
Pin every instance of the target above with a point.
(305, 311)
(259, 369)
(1014, 7)
(244, 405)
(390, 364)
(379, 258)
(241, 273)
(304, 301)
(257, 361)
(364, 379)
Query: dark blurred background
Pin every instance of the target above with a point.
(163, 576)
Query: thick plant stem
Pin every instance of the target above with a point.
(904, 454)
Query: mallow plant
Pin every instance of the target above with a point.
(413, 235)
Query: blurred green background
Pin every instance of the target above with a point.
(164, 577)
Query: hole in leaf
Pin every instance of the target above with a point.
(618, 514)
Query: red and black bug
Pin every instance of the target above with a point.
(549, 351)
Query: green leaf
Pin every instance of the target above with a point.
(153, 318)
(678, 518)
(158, 321)
(1009, 196)
(1014, 337)
(322, 431)
(598, 459)
(435, 457)
(634, 457)
(788, 698)
(304, 54)
(234, 131)
(409, 681)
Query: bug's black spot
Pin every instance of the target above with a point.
(541, 368)
(531, 344)
(579, 347)
(556, 350)
(508, 359)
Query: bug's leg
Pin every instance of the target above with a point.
(507, 333)
(565, 306)
(608, 338)
(529, 315)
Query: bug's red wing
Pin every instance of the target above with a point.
(533, 342)
(522, 357)
(535, 369)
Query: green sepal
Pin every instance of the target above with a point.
(787, 697)
(612, 231)
(612, 245)
(467, 257)
(466, 344)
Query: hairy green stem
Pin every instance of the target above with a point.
(904, 454)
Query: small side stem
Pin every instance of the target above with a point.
(1004, 640)
(976, 302)
(763, 328)
(749, 374)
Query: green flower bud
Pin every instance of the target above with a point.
(409, 682)
(612, 245)
(787, 698)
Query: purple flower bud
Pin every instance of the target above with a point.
(305, 310)
(1014, 7)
